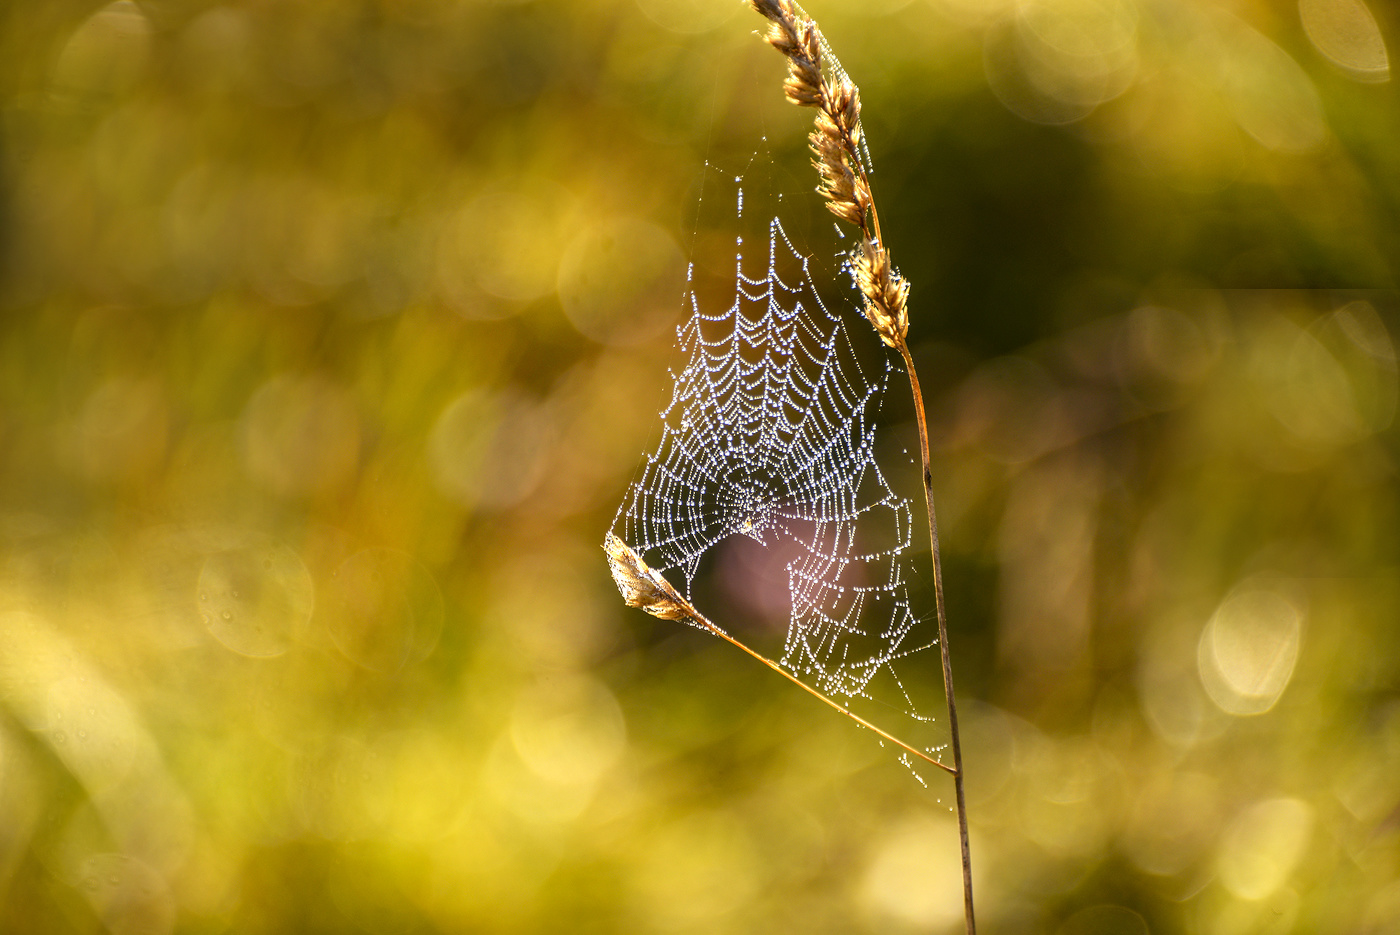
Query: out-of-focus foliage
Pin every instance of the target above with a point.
(332, 332)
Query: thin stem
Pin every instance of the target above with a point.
(643, 587)
(943, 636)
(702, 621)
(834, 142)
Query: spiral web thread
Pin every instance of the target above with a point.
(770, 433)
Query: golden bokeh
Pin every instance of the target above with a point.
(331, 335)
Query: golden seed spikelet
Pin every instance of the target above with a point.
(886, 292)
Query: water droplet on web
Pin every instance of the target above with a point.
(227, 615)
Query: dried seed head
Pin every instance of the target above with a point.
(640, 585)
(835, 142)
(798, 38)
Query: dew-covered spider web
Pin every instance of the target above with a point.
(766, 478)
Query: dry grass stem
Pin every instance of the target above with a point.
(816, 80)
(642, 586)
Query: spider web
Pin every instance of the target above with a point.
(768, 452)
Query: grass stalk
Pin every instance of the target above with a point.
(816, 80)
(643, 587)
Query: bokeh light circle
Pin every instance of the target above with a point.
(620, 281)
(383, 610)
(1248, 650)
(256, 600)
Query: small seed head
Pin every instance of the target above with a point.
(640, 585)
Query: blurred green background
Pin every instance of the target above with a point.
(331, 334)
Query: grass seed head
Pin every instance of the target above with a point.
(835, 142)
(640, 585)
